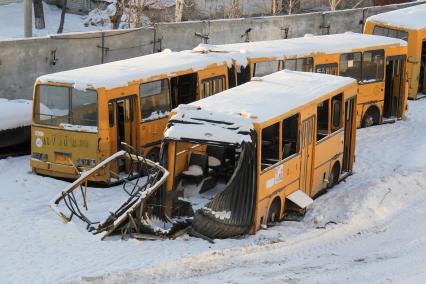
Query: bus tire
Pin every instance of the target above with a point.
(371, 117)
(154, 154)
(274, 211)
(334, 175)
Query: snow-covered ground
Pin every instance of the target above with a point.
(370, 228)
(12, 21)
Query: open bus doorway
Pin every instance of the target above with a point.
(422, 76)
(394, 87)
(184, 89)
(350, 132)
(122, 124)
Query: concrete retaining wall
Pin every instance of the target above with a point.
(22, 61)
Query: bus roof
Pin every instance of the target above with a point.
(265, 98)
(120, 73)
(412, 18)
(229, 116)
(306, 46)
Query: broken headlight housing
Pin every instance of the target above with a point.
(39, 156)
(85, 163)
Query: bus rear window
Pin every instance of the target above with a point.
(382, 31)
(155, 98)
(58, 105)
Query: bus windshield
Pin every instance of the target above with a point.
(64, 106)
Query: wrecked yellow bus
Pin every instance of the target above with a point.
(376, 62)
(408, 24)
(81, 116)
(249, 155)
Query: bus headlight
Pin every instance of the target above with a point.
(39, 156)
(86, 163)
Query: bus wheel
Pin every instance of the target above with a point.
(371, 117)
(274, 211)
(154, 155)
(334, 175)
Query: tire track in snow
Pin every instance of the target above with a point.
(282, 251)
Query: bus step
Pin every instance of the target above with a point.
(389, 120)
(420, 96)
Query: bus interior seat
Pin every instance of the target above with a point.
(289, 147)
(197, 169)
(216, 156)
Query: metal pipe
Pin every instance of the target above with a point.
(28, 22)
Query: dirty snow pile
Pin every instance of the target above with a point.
(15, 113)
(371, 228)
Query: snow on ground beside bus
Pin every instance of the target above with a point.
(12, 21)
(15, 113)
(369, 228)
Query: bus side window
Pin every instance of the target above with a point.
(155, 98)
(322, 120)
(111, 114)
(207, 90)
(265, 68)
(300, 64)
(290, 137)
(305, 64)
(290, 64)
(373, 66)
(336, 116)
(379, 31)
(270, 145)
(350, 65)
(213, 86)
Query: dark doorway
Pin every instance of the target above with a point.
(422, 76)
(184, 89)
(350, 126)
(394, 87)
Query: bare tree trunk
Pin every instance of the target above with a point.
(274, 8)
(39, 15)
(61, 23)
(290, 6)
(179, 10)
(235, 9)
(116, 19)
(334, 4)
(357, 4)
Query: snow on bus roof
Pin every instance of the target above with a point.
(268, 97)
(305, 46)
(120, 73)
(228, 116)
(412, 18)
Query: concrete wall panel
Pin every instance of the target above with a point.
(23, 60)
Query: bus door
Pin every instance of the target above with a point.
(307, 155)
(123, 126)
(350, 132)
(394, 87)
(422, 76)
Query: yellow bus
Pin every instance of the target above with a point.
(81, 116)
(251, 154)
(376, 62)
(408, 24)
